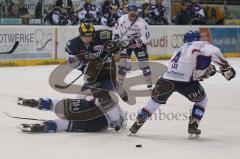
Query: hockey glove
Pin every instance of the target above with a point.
(136, 43)
(228, 72)
(210, 71)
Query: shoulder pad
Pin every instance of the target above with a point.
(73, 46)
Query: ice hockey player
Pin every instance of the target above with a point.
(132, 26)
(75, 115)
(189, 64)
(86, 53)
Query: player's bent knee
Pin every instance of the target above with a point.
(162, 91)
(203, 102)
(59, 109)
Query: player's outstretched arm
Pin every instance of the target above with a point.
(226, 69)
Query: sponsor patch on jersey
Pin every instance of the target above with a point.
(105, 35)
(98, 48)
(175, 74)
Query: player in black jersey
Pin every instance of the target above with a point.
(87, 54)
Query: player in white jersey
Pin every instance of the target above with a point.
(189, 64)
(132, 26)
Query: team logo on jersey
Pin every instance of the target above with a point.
(133, 31)
(98, 48)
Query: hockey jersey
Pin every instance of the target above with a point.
(75, 46)
(190, 61)
(125, 28)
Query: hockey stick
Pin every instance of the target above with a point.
(13, 48)
(66, 86)
(16, 117)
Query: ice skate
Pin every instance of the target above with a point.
(28, 102)
(33, 128)
(141, 119)
(193, 130)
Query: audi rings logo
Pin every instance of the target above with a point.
(177, 40)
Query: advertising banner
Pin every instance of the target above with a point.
(48, 42)
(164, 39)
(227, 39)
(34, 42)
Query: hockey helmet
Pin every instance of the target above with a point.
(191, 36)
(86, 29)
(132, 7)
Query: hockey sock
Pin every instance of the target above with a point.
(199, 109)
(45, 104)
(50, 126)
(151, 106)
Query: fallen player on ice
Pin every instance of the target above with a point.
(75, 115)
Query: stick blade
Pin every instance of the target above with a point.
(7, 114)
(13, 48)
(61, 87)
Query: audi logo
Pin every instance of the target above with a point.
(177, 40)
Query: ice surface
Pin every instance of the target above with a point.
(220, 126)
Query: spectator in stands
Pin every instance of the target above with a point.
(59, 15)
(88, 12)
(1, 9)
(197, 13)
(116, 3)
(107, 6)
(157, 12)
(89, 6)
(72, 17)
(22, 10)
(124, 6)
(38, 11)
(110, 18)
(184, 16)
(62, 14)
(13, 10)
(145, 12)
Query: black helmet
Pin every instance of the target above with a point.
(86, 29)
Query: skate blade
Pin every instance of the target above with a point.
(20, 101)
(25, 130)
(193, 136)
(131, 134)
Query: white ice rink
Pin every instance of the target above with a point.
(160, 139)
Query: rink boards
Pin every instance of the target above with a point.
(44, 45)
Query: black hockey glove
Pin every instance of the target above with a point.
(112, 46)
(210, 71)
(228, 72)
